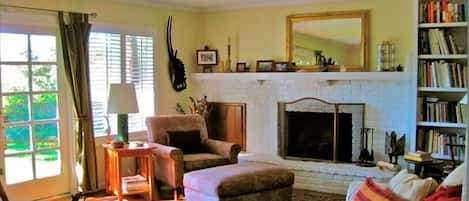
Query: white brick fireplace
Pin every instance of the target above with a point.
(387, 108)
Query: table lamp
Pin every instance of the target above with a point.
(122, 101)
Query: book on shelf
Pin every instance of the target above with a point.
(438, 143)
(438, 42)
(442, 74)
(441, 11)
(431, 109)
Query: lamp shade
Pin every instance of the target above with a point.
(122, 99)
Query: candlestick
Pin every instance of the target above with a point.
(229, 54)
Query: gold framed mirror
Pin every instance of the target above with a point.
(330, 39)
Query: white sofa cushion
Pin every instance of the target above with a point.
(455, 177)
(410, 187)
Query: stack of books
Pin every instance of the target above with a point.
(437, 142)
(438, 41)
(441, 74)
(432, 109)
(441, 11)
(134, 183)
(419, 156)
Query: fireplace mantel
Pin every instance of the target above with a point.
(365, 76)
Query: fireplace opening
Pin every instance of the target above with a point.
(313, 129)
(311, 135)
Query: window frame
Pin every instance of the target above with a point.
(123, 32)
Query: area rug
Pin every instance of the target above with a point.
(298, 195)
(306, 195)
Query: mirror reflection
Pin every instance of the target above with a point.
(331, 39)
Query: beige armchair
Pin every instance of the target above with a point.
(171, 163)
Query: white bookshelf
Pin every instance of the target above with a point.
(441, 156)
(442, 90)
(459, 32)
(443, 56)
(441, 124)
(443, 25)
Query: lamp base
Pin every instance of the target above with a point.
(123, 128)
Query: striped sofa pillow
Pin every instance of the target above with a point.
(370, 191)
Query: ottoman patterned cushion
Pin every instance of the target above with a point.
(238, 179)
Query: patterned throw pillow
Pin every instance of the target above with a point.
(370, 191)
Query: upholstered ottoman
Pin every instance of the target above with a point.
(239, 182)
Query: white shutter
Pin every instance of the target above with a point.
(139, 71)
(105, 68)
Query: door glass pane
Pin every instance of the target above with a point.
(18, 168)
(48, 163)
(44, 77)
(14, 78)
(45, 106)
(14, 47)
(17, 139)
(16, 108)
(46, 136)
(43, 48)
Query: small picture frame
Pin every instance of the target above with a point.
(207, 57)
(264, 65)
(281, 66)
(241, 67)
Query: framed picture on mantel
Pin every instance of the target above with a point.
(265, 65)
(207, 57)
(241, 67)
(281, 66)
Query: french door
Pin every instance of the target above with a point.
(33, 156)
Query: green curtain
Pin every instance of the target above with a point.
(74, 35)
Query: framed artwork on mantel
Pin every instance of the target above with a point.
(207, 57)
(281, 66)
(241, 67)
(264, 65)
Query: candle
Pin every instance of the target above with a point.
(229, 46)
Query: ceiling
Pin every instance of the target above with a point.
(347, 31)
(209, 5)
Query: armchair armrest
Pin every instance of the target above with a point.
(168, 152)
(226, 149)
(169, 165)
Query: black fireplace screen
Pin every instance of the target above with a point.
(312, 129)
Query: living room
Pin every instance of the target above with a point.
(241, 32)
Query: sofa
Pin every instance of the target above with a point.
(409, 187)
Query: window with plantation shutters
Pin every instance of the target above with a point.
(120, 58)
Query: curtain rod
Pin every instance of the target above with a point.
(44, 9)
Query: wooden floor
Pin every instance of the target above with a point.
(298, 195)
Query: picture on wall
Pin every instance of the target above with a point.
(207, 57)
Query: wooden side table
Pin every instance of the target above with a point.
(113, 173)
(427, 168)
